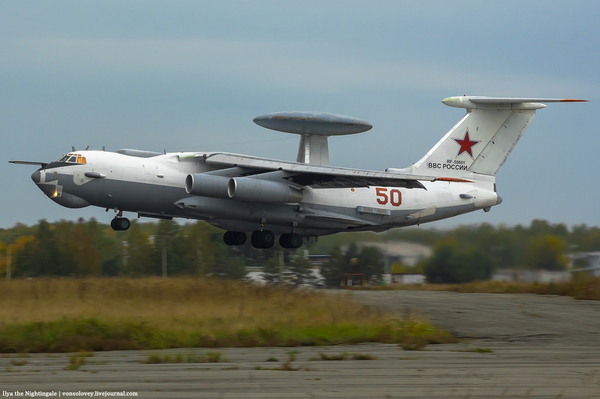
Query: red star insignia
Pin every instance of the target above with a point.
(466, 144)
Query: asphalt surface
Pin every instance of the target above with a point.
(515, 346)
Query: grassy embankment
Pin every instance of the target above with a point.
(585, 288)
(67, 315)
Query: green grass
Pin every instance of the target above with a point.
(210, 357)
(96, 314)
(292, 355)
(77, 360)
(91, 334)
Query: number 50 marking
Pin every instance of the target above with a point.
(395, 196)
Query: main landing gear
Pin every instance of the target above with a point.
(263, 239)
(290, 240)
(234, 238)
(119, 222)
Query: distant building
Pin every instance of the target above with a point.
(530, 276)
(408, 278)
(591, 258)
(255, 276)
(354, 280)
(406, 253)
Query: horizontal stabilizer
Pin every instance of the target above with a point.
(512, 100)
(475, 102)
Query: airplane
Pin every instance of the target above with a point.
(263, 197)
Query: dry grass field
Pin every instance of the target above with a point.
(583, 288)
(66, 315)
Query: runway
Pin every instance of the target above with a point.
(515, 346)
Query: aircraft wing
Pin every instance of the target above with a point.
(317, 176)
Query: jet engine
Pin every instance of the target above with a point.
(207, 185)
(249, 189)
(241, 189)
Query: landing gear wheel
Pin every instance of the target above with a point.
(120, 224)
(234, 238)
(290, 241)
(262, 239)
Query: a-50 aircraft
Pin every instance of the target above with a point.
(307, 198)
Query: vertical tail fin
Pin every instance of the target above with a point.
(483, 139)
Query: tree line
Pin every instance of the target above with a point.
(88, 248)
(81, 248)
(543, 246)
(468, 253)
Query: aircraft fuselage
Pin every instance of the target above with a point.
(155, 187)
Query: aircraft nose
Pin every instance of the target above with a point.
(36, 176)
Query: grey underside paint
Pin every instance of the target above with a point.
(310, 220)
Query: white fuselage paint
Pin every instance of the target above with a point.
(154, 186)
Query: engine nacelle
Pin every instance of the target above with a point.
(207, 185)
(241, 189)
(249, 189)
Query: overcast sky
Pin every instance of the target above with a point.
(191, 75)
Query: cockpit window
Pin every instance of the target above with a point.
(72, 159)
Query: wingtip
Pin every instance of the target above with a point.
(572, 100)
